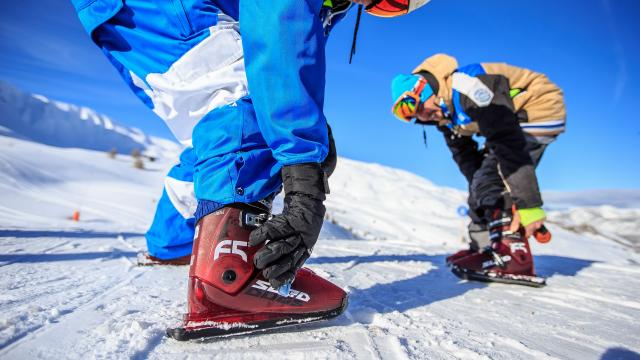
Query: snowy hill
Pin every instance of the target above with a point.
(71, 289)
(55, 123)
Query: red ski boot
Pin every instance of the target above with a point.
(478, 239)
(507, 260)
(227, 295)
(459, 255)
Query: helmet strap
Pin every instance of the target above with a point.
(355, 33)
(424, 136)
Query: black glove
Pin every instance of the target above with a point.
(292, 234)
(330, 162)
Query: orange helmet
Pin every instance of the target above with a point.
(393, 8)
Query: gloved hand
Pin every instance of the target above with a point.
(292, 234)
(531, 219)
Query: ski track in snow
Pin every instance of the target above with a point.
(72, 290)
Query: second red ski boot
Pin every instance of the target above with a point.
(459, 255)
(507, 260)
(228, 295)
(478, 239)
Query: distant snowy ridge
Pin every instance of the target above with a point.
(620, 198)
(611, 213)
(37, 118)
(619, 225)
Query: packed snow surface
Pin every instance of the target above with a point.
(72, 289)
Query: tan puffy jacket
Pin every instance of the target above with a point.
(538, 103)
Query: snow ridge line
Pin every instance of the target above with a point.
(583, 228)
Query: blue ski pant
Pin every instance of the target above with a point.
(192, 74)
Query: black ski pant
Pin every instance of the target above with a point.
(487, 189)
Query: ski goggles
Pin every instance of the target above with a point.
(407, 105)
(393, 8)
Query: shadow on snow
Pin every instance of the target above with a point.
(43, 258)
(65, 234)
(619, 353)
(430, 287)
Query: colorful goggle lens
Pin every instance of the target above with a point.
(406, 108)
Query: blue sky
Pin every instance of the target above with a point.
(589, 47)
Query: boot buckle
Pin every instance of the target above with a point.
(251, 220)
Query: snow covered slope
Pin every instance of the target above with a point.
(71, 290)
(37, 118)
